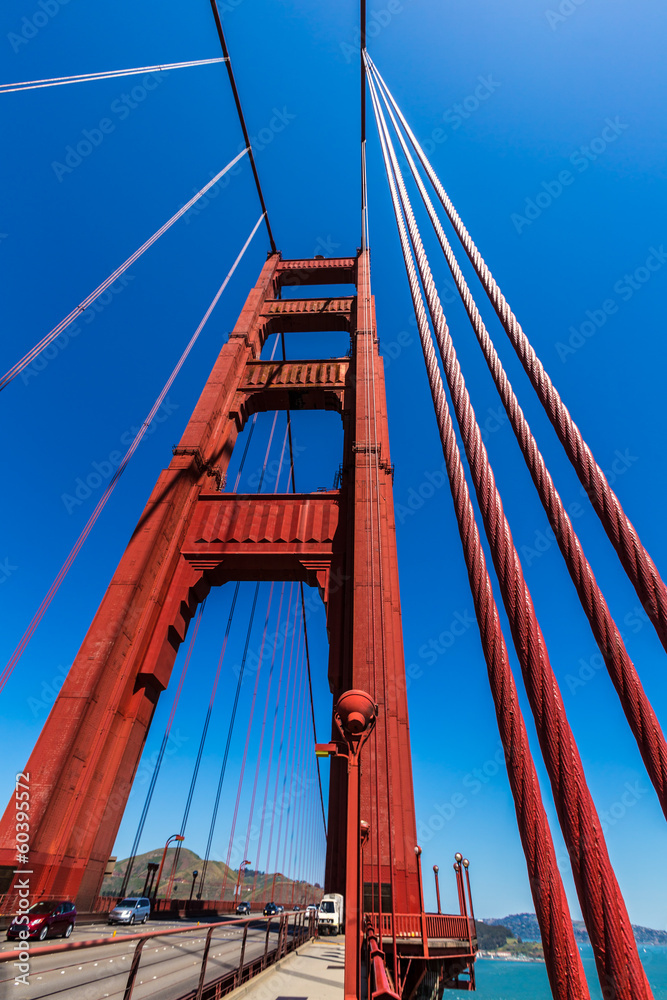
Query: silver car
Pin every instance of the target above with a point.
(133, 910)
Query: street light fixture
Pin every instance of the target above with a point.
(242, 867)
(192, 887)
(175, 836)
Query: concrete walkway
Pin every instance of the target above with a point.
(313, 972)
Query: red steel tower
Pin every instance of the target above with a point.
(192, 535)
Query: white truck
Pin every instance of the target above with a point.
(330, 914)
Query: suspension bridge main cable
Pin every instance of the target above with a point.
(62, 573)
(602, 903)
(64, 323)
(562, 958)
(637, 708)
(634, 558)
(239, 109)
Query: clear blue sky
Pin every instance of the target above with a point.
(552, 83)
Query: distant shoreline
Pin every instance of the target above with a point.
(494, 956)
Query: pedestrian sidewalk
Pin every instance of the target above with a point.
(313, 972)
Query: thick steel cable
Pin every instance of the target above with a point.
(602, 904)
(636, 706)
(636, 561)
(237, 101)
(112, 74)
(64, 323)
(111, 485)
(561, 954)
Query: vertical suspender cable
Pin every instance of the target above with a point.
(563, 963)
(638, 711)
(636, 561)
(158, 762)
(303, 613)
(601, 901)
(272, 744)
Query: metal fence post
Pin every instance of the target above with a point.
(266, 942)
(239, 974)
(204, 960)
(134, 968)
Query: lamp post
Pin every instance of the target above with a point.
(418, 852)
(355, 714)
(437, 886)
(466, 865)
(192, 887)
(239, 876)
(175, 836)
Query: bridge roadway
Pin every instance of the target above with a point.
(169, 966)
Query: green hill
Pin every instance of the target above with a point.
(217, 874)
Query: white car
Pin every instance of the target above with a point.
(133, 910)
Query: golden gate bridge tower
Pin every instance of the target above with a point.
(195, 533)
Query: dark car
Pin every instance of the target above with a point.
(270, 909)
(243, 907)
(296, 908)
(44, 919)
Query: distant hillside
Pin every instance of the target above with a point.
(525, 926)
(501, 941)
(188, 862)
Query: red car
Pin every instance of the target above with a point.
(45, 919)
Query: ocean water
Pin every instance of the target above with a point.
(498, 980)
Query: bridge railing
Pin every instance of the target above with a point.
(303, 926)
(438, 925)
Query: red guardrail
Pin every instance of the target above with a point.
(381, 988)
(286, 943)
(438, 925)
